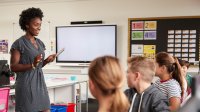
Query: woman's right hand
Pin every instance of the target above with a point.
(37, 60)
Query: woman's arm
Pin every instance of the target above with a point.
(175, 103)
(49, 59)
(14, 63)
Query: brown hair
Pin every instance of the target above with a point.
(143, 65)
(107, 74)
(184, 63)
(172, 66)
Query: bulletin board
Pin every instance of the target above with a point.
(179, 36)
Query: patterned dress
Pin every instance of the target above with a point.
(31, 91)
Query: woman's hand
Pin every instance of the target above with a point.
(51, 58)
(37, 60)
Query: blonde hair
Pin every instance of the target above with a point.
(146, 67)
(108, 76)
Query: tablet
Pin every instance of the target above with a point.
(59, 52)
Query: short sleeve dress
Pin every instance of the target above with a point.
(31, 91)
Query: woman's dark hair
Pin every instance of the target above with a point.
(27, 15)
(172, 66)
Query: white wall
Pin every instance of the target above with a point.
(62, 12)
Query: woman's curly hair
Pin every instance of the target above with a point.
(27, 15)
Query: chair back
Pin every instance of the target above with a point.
(4, 97)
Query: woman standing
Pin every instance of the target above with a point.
(27, 60)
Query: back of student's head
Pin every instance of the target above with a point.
(172, 66)
(146, 67)
(107, 74)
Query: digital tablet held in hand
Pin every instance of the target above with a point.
(59, 52)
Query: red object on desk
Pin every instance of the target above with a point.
(70, 106)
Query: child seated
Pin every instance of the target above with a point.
(144, 96)
(106, 78)
(185, 66)
(171, 80)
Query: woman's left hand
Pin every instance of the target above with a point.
(51, 58)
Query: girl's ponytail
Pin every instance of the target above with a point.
(120, 102)
(177, 74)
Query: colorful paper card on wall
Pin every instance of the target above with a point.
(170, 31)
(149, 35)
(150, 25)
(193, 31)
(149, 51)
(137, 35)
(185, 31)
(4, 46)
(139, 25)
(134, 55)
(137, 48)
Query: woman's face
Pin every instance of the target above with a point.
(34, 26)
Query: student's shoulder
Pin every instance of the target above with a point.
(155, 91)
(173, 82)
(129, 92)
(158, 94)
(157, 81)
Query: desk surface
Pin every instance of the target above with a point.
(54, 81)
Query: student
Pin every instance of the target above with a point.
(185, 86)
(144, 96)
(106, 78)
(185, 66)
(27, 60)
(171, 81)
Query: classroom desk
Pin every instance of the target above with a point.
(62, 89)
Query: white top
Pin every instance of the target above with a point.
(170, 88)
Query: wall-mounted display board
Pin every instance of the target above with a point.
(179, 36)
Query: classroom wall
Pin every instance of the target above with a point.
(62, 12)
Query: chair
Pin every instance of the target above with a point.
(4, 96)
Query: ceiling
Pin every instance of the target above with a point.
(32, 1)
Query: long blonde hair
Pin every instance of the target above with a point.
(108, 76)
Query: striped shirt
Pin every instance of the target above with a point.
(170, 88)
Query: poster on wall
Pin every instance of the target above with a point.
(4, 46)
(179, 36)
(150, 25)
(149, 51)
(138, 25)
(137, 35)
(149, 35)
(136, 50)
